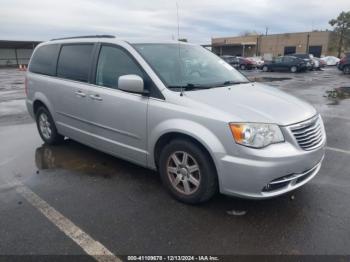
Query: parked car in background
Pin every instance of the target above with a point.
(330, 60)
(285, 63)
(232, 60)
(238, 62)
(322, 63)
(315, 63)
(246, 63)
(258, 60)
(206, 129)
(344, 64)
(308, 58)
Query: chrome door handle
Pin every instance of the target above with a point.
(96, 97)
(80, 94)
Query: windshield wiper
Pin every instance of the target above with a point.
(190, 86)
(229, 82)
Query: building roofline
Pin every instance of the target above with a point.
(286, 33)
(18, 44)
(20, 41)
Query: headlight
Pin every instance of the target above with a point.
(255, 134)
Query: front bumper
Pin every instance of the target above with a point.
(258, 179)
(288, 183)
(271, 171)
(309, 66)
(302, 68)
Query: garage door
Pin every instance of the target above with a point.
(288, 50)
(316, 50)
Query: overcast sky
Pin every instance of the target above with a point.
(156, 19)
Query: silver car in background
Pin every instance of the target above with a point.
(176, 108)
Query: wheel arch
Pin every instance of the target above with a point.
(41, 100)
(167, 137)
(170, 129)
(37, 104)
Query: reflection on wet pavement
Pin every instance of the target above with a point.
(76, 157)
(12, 95)
(337, 94)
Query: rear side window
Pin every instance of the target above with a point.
(74, 62)
(44, 60)
(288, 59)
(278, 59)
(112, 63)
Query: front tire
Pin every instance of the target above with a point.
(346, 70)
(46, 127)
(242, 67)
(265, 68)
(187, 172)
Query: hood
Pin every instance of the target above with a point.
(253, 102)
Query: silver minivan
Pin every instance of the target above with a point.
(176, 108)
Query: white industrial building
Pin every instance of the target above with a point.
(15, 53)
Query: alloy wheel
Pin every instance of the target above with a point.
(45, 126)
(183, 172)
(347, 70)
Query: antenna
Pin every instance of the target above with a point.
(178, 37)
(178, 23)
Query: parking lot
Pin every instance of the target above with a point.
(71, 199)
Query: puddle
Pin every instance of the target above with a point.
(268, 79)
(75, 157)
(337, 94)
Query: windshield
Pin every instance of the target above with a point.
(189, 66)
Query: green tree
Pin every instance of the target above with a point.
(183, 39)
(249, 33)
(342, 29)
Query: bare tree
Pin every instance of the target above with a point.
(342, 29)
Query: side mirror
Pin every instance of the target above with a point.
(132, 84)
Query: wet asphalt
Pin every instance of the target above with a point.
(125, 207)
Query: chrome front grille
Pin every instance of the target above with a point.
(309, 134)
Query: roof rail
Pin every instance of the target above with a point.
(85, 36)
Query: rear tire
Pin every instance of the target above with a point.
(187, 172)
(242, 67)
(46, 127)
(346, 70)
(293, 69)
(265, 68)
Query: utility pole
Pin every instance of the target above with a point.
(178, 22)
(266, 30)
(307, 43)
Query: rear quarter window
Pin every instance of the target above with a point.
(288, 59)
(44, 60)
(74, 62)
